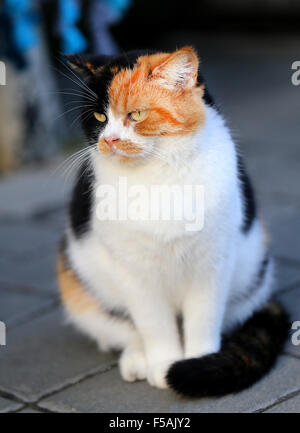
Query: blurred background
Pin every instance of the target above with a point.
(247, 49)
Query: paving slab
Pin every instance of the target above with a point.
(37, 274)
(33, 191)
(291, 300)
(284, 223)
(8, 405)
(17, 307)
(286, 275)
(56, 220)
(292, 405)
(107, 393)
(24, 240)
(45, 355)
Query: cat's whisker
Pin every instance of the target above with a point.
(87, 114)
(72, 109)
(76, 101)
(73, 166)
(68, 160)
(72, 92)
(77, 83)
(78, 78)
(87, 167)
(84, 116)
(82, 158)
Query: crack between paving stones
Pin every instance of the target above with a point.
(34, 216)
(288, 261)
(24, 290)
(9, 395)
(13, 411)
(34, 315)
(78, 381)
(292, 355)
(287, 288)
(35, 407)
(285, 397)
(280, 400)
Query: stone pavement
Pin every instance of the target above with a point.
(48, 367)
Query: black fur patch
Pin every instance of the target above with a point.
(255, 286)
(208, 99)
(250, 211)
(81, 202)
(245, 357)
(105, 68)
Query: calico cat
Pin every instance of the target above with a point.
(126, 283)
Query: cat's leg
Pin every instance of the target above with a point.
(108, 330)
(204, 309)
(156, 322)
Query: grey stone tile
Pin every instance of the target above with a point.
(45, 355)
(291, 405)
(107, 393)
(33, 191)
(8, 405)
(17, 307)
(19, 241)
(29, 410)
(284, 223)
(286, 275)
(291, 300)
(38, 274)
(55, 220)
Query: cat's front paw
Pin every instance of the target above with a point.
(133, 365)
(157, 373)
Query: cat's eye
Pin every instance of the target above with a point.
(138, 115)
(100, 117)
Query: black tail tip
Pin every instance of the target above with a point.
(246, 356)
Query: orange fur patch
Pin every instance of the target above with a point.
(126, 146)
(90, 67)
(74, 297)
(114, 69)
(171, 112)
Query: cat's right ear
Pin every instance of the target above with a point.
(179, 70)
(86, 66)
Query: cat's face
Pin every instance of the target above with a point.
(139, 100)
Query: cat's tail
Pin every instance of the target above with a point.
(245, 357)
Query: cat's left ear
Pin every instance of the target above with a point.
(86, 65)
(179, 70)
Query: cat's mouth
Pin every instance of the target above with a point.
(122, 149)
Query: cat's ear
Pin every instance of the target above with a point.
(85, 65)
(179, 70)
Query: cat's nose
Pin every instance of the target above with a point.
(111, 139)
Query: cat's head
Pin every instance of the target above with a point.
(135, 101)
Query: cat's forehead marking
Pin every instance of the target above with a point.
(138, 84)
(130, 84)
